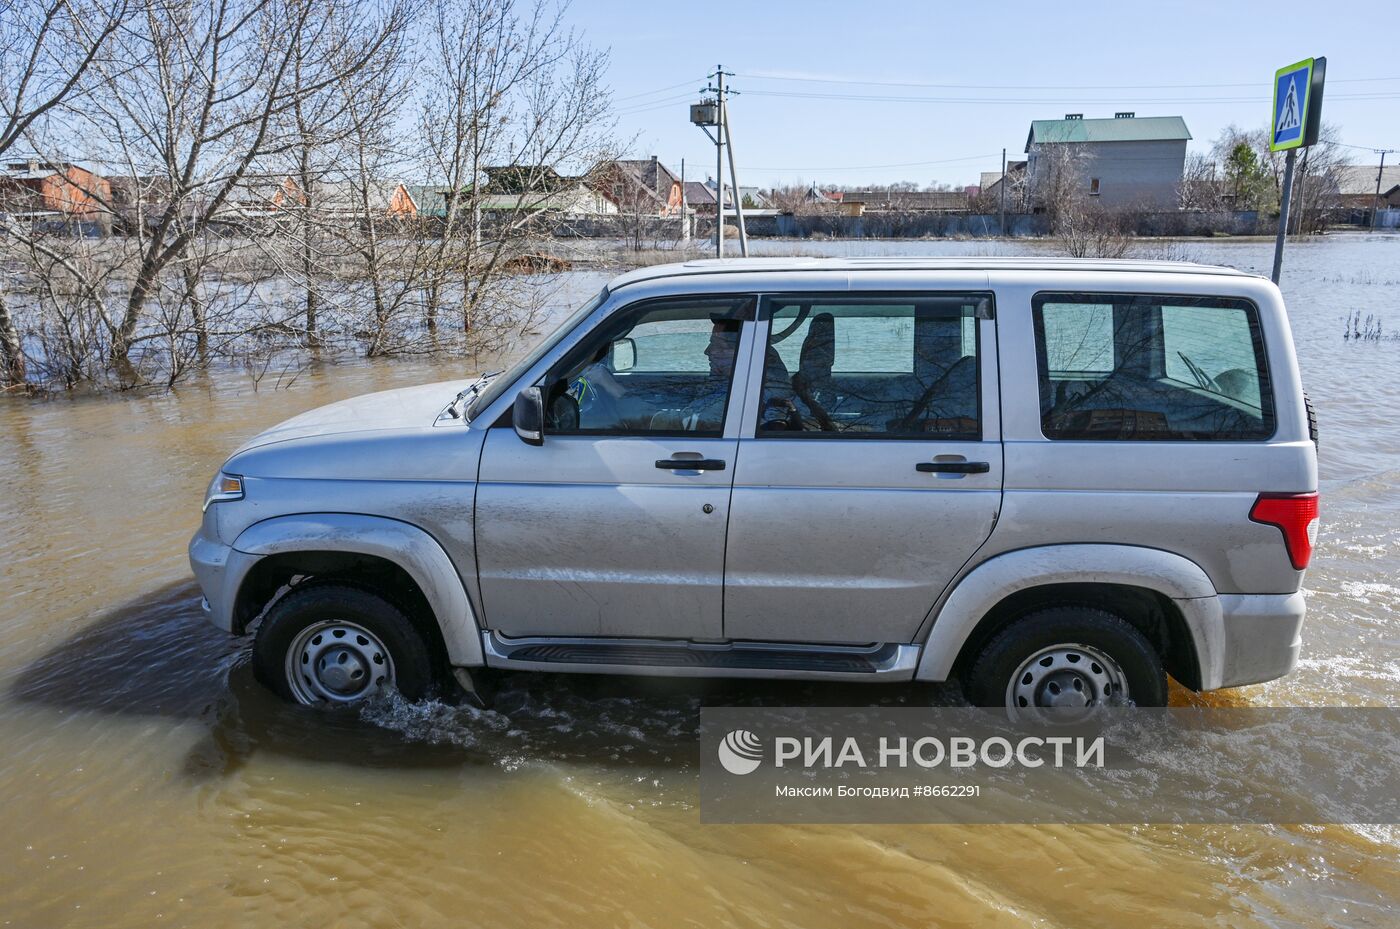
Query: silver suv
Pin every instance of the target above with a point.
(1056, 480)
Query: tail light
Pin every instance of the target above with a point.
(1296, 517)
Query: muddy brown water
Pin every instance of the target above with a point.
(147, 780)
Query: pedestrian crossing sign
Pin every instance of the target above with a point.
(1292, 97)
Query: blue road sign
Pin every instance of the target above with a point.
(1292, 95)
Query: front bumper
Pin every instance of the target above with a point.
(1261, 636)
(218, 569)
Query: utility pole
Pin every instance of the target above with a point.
(1376, 204)
(719, 166)
(716, 114)
(1003, 193)
(685, 208)
(733, 175)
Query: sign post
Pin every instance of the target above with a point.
(1294, 124)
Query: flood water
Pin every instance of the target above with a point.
(147, 780)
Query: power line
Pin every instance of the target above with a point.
(651, 105)
(1043, 101)
(902, 164)
(641, 104)
(1369, 148)
(648, 93)
(850, 81)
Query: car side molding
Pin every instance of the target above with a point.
(404, 544)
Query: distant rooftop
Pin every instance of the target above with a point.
(696, 193)
(1120, 129)
(26, 167)
(907, 199)
(1359, 180)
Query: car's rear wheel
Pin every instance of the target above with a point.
(329, 643)
(1067, 660)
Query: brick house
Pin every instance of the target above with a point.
(55, 191)
(640, 186)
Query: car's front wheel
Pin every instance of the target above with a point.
(1067, 659)
(332, 643)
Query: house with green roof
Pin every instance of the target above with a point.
(1129, 161)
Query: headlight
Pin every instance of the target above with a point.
(223, 487)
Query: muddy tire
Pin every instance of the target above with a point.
(328, 643)
(1067, 656)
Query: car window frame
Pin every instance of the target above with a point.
(1258, 339)
(764, 318)
(744, 315)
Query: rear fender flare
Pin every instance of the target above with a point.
(981, 589)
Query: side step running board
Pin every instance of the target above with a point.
(681, 658)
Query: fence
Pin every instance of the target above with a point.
(916, 225)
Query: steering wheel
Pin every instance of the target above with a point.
(803, 312)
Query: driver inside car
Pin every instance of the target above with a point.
(601, 399)
(598, 398)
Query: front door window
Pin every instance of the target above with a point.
(662, 368)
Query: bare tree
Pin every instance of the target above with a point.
(1057, 181)
(1083, 227)
(1315, 188)
(1087, 230)
(506, 85)
(46, 49)
(328, 238)
(801, 199)
(385, 266)
(1200, 186)
(639, 207)
(326, 131)
(198, 94)
(1253, 175)
(248, 144)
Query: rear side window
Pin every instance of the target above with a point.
(1149, 367)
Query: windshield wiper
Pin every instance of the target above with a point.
(458, 405)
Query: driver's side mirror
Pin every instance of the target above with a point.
(622, 356)
(528, 416)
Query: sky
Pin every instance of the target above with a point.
(876, 92)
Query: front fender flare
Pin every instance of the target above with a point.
(989, 583)
(404, 544)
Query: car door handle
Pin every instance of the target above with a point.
(690, 464)
(953, 467)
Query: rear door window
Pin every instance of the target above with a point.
(1149, 367)
(879, 367)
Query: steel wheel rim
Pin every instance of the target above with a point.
(1069, 679)
(337, 661)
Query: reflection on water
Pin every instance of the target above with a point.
(147, 778)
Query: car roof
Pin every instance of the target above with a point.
(779, 265)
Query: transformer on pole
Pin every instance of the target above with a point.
(714, 111)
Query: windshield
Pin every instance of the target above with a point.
(500, 383)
